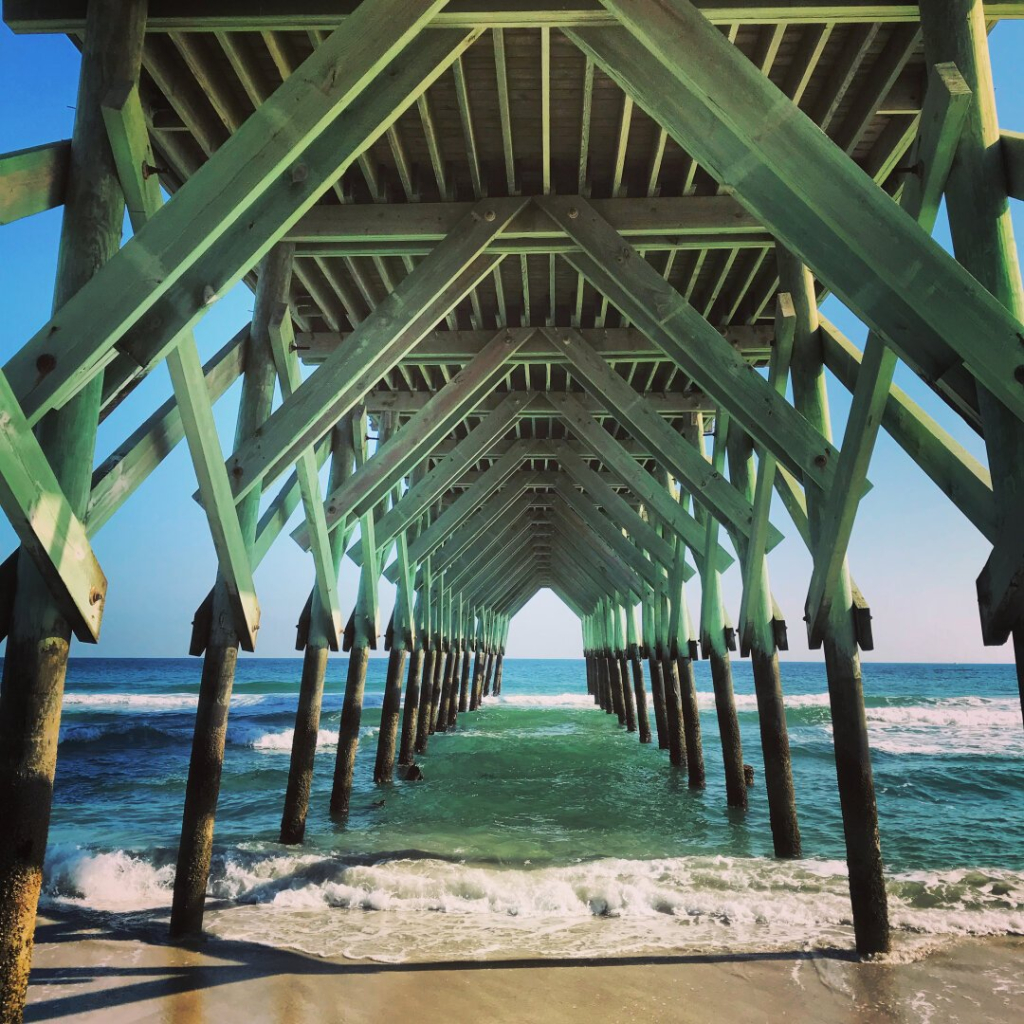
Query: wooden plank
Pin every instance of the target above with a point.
(46, 524)
(412, 443)
(1012, 145)
(129, 142)
(377, 345)
(67, 16)
(33, 180)
(290, 377)
(212, 202)
(814, 198)
(636, 415)
(618, 459)
(752, 341)
(646, 218)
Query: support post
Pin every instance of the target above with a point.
(314, 665)
(207, 759)
(39, 639)
(842, 660)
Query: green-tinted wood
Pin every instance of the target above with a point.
(214, 200)
(945, 109)
(634, 413)
(981, 227)
(33, 180)
(378, 344)
(618, 271)
(129, 143)
(289, 375)
(46, 524)
(414, 440)
(715, 103)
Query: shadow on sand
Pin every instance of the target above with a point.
(242, 961)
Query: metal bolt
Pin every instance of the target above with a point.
(300, 172)
(46, 363)
(490, 216)
(95, 596)
(573, 213)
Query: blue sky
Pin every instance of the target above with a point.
(913, 554)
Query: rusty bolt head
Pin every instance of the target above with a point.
(573, 213)
(46, 363)
(821, 461)
(490, 216)
(95, 596)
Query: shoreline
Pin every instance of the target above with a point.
(91, 972)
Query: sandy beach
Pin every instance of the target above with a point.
(84, 971)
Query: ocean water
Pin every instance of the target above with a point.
(541, 827)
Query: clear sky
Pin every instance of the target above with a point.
(913, 554)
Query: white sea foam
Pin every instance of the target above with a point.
(430, 908)
(282, 740)
(542, 700)
(147, 701)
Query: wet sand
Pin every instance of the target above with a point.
(87, 971)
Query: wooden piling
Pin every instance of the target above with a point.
(314, 666)
(642, 718)
(728, 726)
(499, 665)
(39, 636)
(673, 710)
(412, 700)
(627, 693)
(203, 788)
(348, 732)
(842, 660)
(658, 696)
(430, 668)
(384, 766)
(464, 681)
(441, 663)
(696, 776)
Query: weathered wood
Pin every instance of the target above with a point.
(618, 271)
(981, 228)
(129, 142)
(212, 202)
(842, 661)
(33, 180)
(45, 523)
(447, 347)
(414, 440)
(220, 637)
(1012, 145)
(942, 120)
(65, 16)
(35, 660)
(715, 103)
(377, 345)
(314, 666)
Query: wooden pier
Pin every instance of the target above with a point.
(541, 283)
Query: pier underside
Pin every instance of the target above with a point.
(537, 295)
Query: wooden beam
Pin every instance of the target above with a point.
(68, 16)
(324, 562)
(617, 458)
(254, 164)
(46, 524)
(671, 404)
(614, 344)
(129, 142)
(412, 443)
(882, 265)
(636, 288)
(636, 415)
(464, 453)
(326, 230)
(942, 120)
(33, 180)
(379, 343)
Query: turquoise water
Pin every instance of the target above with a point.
(540, 826)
